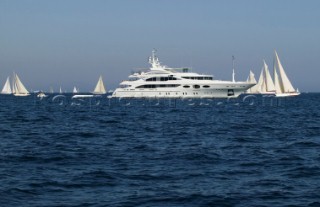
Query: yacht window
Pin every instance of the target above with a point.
(186, 86)
(196, 86)
(163, 78)
(172, 78)
(198, 78)
(206, 86)
(133, 79)
(125, 86)
(159, 86)
(152, 79)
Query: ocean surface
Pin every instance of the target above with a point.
(249, 151)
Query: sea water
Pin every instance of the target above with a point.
(249, 151)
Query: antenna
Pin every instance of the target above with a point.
(233, 74)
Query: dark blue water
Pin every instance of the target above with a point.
(250, 151)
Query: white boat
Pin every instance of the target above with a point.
(75, 90)
(99, 89)
(283, 86)
(161, 81)
(18, 88)
(41, 95)
(82, 96)
(265, 83)
(7, 88)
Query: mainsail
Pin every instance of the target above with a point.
(99, 89)
(18, 88)
(276, 79)
(284, 82)
(268, 80)
(7, 88)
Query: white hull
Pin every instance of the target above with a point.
(180, 92)
(287, 94)
(262, 93)
(21, 94)
(82, 96)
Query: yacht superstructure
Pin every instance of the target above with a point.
(161, 81)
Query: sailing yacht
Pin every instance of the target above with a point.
(265, 83)
(75, 90)
(283, 86)
(7, 88)
(161, 81)
(99, 89)
(41, 94)
(18, 88)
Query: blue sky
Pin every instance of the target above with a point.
(71, 42)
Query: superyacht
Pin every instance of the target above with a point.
(161, 81)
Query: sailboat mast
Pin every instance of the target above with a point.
(233, 73)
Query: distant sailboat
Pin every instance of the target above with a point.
(41, 95)
(283, 85)
(7, 88)
(75, 90)
(18, 88)
(51, 90)
(60, 90)
(99, 89)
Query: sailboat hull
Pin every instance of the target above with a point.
(20, 94)
(287, 94)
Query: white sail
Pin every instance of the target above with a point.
(265, 84)
(268, 80)
(276, 79)
(60, 90)
(13, 85)
(7, 88)
(99, 89)
(261, 87)
(251, 79)
(75, 90)
(285, 84)
(19, 88)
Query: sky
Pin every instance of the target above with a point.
(72, 42)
